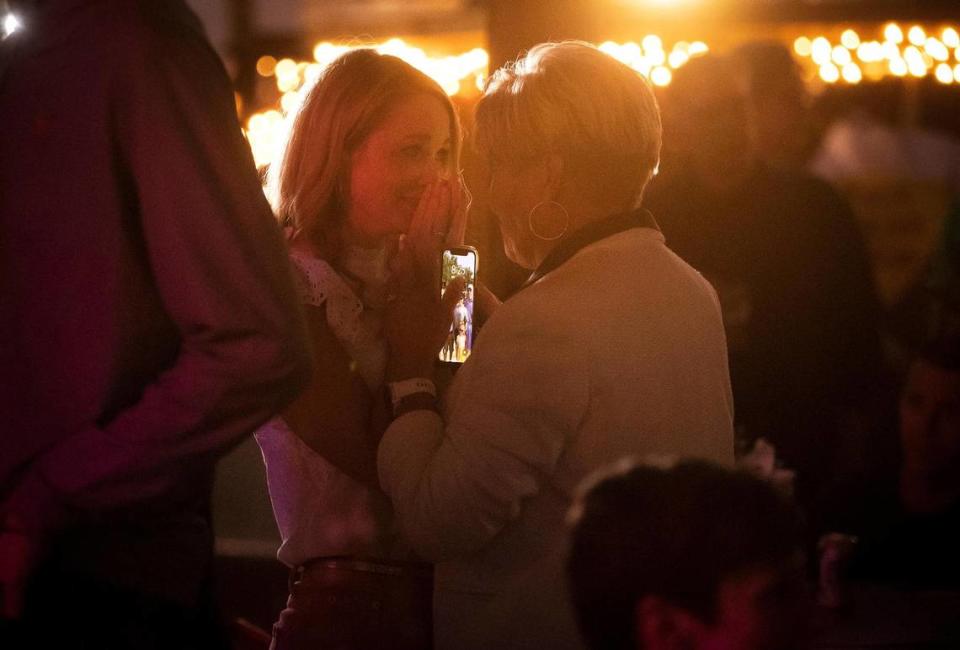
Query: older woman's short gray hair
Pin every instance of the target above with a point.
(571, 99)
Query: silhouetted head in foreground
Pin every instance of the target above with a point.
(692, 556)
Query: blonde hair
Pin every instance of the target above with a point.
(308, 184)
(573, 100)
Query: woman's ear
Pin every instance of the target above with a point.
(540, 179)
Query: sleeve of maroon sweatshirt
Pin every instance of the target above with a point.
(220, 268)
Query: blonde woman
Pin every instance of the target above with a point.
(371, 157)
(614, 347)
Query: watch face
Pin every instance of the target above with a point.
(400, 389)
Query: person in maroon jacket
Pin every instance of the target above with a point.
(148, 322)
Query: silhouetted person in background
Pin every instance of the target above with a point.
(914, 540)
(787, 260)
(149, 322)
(777, 104)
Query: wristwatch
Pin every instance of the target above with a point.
(406, 387)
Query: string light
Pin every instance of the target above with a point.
(936, 49)
(10, 25)
(677, 58)
(944, 73)
(919, 53)
(915, 62)
(829, 73)
(917, 35)
(821, 51)
(463, 73)
(893, 33)
(951, 38)
(850, 58)
(803, 46)
(850, 39)
(851, 73)
(841, 55)
(652, 43)
(661, 76)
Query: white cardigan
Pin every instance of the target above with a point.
(619, 352)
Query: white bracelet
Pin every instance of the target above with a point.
(412, 386)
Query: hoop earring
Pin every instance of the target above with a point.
(533, 211)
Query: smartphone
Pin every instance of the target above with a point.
(459, 261)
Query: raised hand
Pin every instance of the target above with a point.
(461, 199)
(429, 226)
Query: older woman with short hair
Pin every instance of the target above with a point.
(614, 347)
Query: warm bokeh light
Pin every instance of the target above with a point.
(870, 52)
(936, 49)
(265, 132)
(944, 73)
(821, 51)
(858, 58)
(651, 60)
(917, 35)
(462, 73)
(290, 101)
(10, 25)
(851, 73)
(915, 61)
(850, 39)
(893, 33)
(951, 38)
(266, 65)
(891, 51)
(652, 43)
(845, 55)
(661, 76)
(829, 73)
(841, 55)
(677, 58)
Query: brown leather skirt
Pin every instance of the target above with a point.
(356, 604)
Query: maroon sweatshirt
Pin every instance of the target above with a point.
(147, 316)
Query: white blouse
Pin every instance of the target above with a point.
(321, 511)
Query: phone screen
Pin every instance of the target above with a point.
(460, 261)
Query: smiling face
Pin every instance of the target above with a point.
(408, 150)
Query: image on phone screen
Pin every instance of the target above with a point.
(460, 261)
